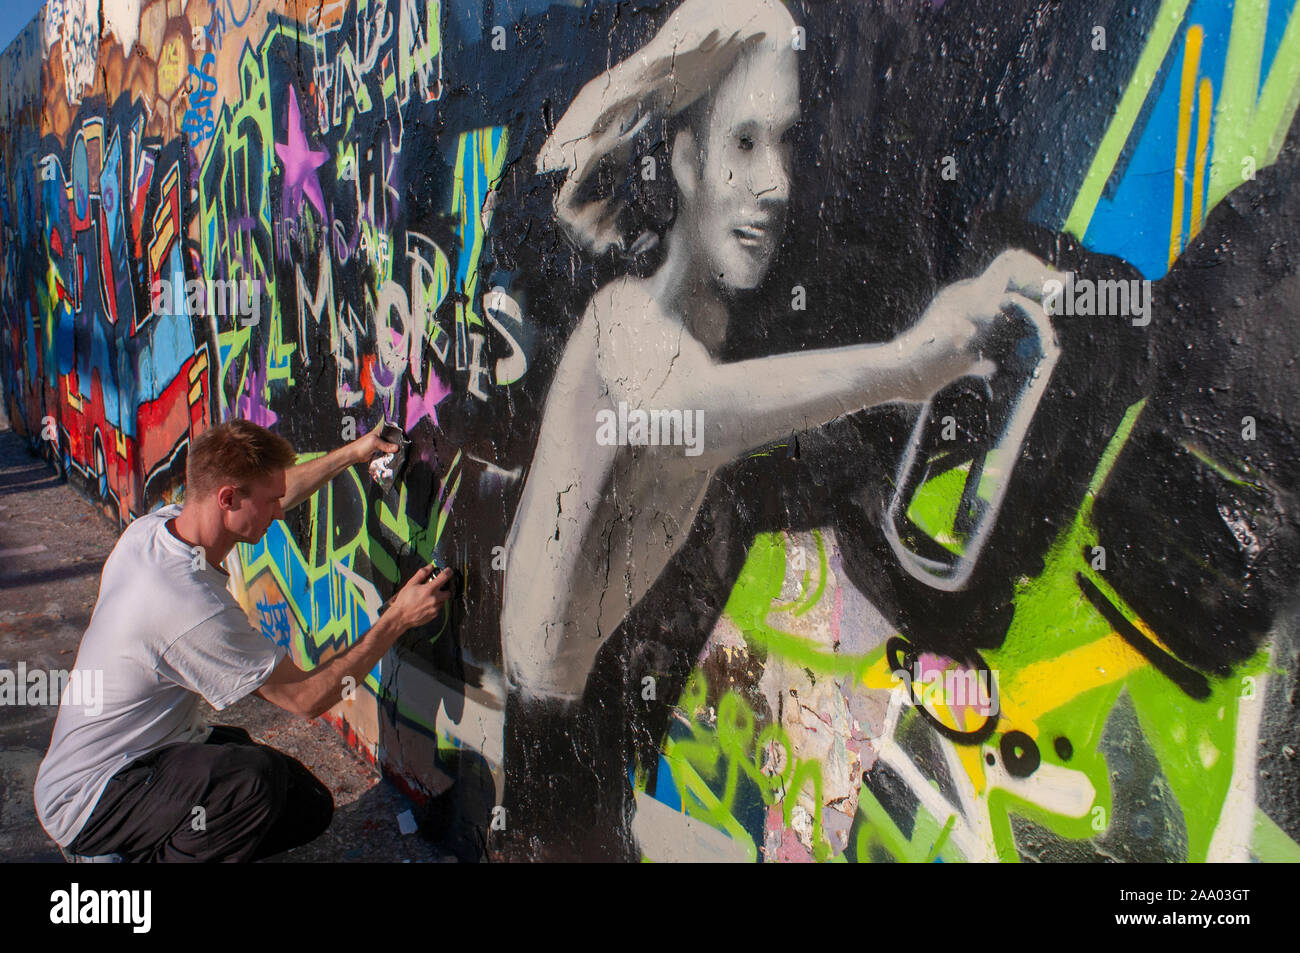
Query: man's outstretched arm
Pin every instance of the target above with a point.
(313, 693)
(301, 481)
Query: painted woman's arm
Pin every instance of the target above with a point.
(653, 363)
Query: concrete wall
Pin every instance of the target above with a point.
(678, 652)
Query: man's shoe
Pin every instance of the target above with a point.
(100, 859)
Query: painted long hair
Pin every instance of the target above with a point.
(687, 59)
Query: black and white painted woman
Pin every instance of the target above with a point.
(599, 519)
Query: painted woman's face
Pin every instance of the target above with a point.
(738, 211)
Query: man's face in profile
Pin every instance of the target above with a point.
(256, 507)
(738, 211)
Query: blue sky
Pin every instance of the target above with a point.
(14, 15)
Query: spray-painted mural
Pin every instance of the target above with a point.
(867, 429)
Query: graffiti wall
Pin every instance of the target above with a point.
(867, 429)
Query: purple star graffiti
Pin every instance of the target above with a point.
(300, 161)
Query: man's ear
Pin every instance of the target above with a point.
(685, 162)
(226, 497)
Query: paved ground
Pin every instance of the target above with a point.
(53, 543)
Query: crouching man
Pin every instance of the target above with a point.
(144, 777)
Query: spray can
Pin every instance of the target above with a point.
(958, 463)
(386, 467)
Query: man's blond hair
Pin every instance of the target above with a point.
(237, 452)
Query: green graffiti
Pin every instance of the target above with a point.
(708, 767)
(331, 607)
(1054, 632)
(235, 220)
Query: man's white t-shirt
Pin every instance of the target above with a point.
(162, 634)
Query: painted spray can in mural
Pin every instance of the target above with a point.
(969, 435)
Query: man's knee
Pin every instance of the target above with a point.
(315, 802)
(254, 783)
(307, 812)
(264, 766)
(244, 793)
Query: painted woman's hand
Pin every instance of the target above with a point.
(952, 336)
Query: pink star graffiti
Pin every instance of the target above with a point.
(420, 405)
(300, 161)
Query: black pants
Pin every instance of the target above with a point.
(255, 802)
